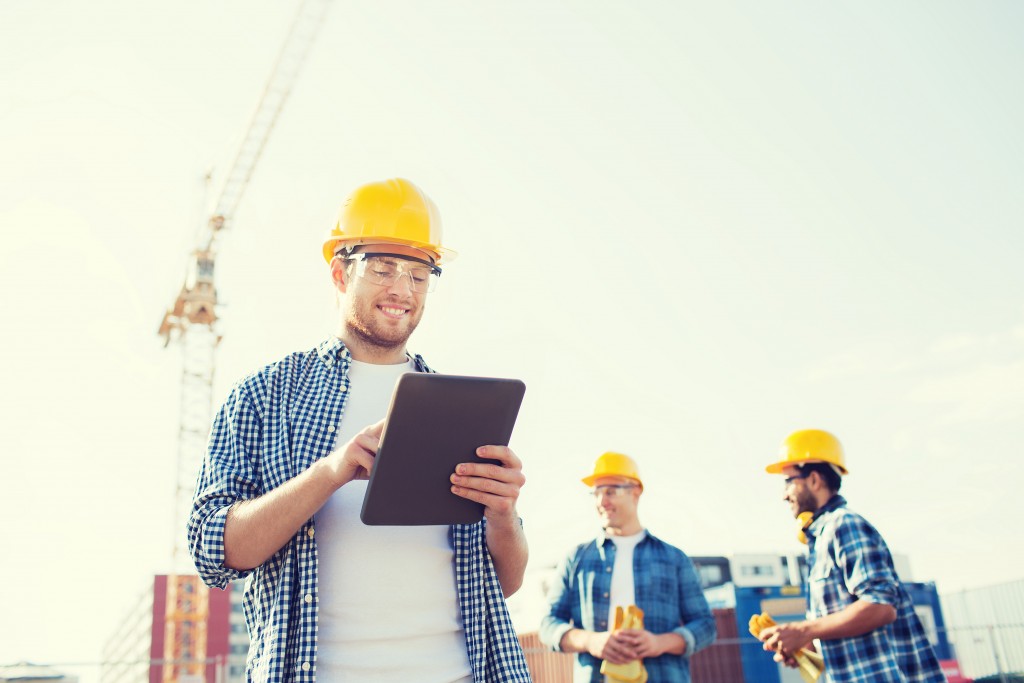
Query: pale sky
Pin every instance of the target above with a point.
(690, 228)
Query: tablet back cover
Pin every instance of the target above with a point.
(434, 423)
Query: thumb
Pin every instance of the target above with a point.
(376, 429)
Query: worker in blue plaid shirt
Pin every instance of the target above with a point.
(626, 566)
(328, 598)
(859, 613)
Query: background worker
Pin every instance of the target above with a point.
(859, 611)
(626, 565)
(280, 491)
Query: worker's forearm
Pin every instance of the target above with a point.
(671, 643)
(575, 640)
(255, 529)
(855, 619)
(509, 551)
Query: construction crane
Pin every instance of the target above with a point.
(191, 321)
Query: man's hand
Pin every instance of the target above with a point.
(355, 459)
(495, 486)
(785, 640)
(646, 644)
(611, 646)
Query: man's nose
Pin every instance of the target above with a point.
(401, 286)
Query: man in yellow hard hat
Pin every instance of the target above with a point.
(280, 490)
(859, 612)
(626, 566)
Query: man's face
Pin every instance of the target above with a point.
(796, 493)
(616, 501)
(383, 316)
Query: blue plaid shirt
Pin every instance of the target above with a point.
(850, 561)
(274, 425)
(666, 588)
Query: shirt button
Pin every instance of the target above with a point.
(609, 570)
(305, 666)
(606, 595)
(330, 429)
(310, 532)
(308, 598)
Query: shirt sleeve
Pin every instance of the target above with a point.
(228, 475)
(698, 628)
(561, 596)
(864, 560)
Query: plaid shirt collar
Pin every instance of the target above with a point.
(817, 522)
(333, 350)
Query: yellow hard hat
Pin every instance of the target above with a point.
(614, 465)
(391, 211)
(809, 445)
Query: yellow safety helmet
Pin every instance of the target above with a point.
(614, 465)
(809, 445)
(391, 211)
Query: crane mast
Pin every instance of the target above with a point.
(191, 321)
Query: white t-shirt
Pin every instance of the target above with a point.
(389, 610)
(623, 592)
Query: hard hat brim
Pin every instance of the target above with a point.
(441, 254)
(592, 479)
(777, 467)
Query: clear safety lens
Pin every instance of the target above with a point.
(386, 269)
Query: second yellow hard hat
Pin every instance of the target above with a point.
(809, 445)
(614, 465)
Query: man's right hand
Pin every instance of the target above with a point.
(355, 459)
(257, 528)
(611, 646)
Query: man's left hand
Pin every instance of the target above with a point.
(646, 644)
(785, 640)
(495, 486)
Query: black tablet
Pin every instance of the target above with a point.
(434, 423)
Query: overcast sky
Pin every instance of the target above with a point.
(690, 228)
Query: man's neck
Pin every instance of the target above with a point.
(364, 352)
(627, 530)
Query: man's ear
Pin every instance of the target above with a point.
(815, 481)
(339, 274)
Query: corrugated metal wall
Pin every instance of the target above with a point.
(986, 628)
(719, 663)
(545, 666)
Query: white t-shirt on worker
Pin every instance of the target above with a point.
(622, 592)
(389, 610)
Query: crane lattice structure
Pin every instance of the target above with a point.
(191, 321)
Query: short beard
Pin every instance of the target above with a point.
(366, 331)
(371, 339)
(805, 502)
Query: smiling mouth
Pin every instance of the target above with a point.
(392, 311)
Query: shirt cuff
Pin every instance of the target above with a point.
(556, 636)
(210, 559)
(691, 641)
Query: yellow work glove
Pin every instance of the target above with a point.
(633, 672)
(809, 663)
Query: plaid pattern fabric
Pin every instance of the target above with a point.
(275, 424)
(850, 561)
(667, 590)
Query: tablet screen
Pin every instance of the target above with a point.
(434, 423)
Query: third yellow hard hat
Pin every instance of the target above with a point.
(614, 465)
(809, 445)
(390, 211)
